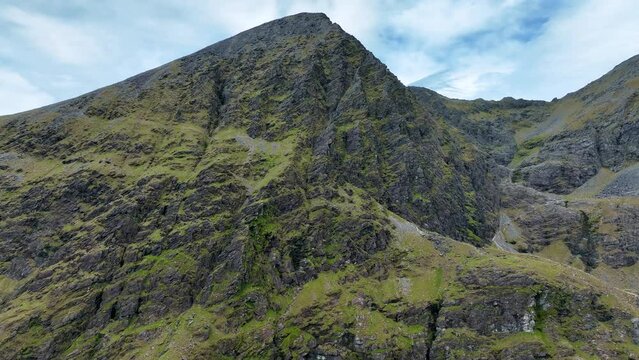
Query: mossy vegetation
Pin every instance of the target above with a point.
(252, 201)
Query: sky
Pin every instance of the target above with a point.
(51, 50)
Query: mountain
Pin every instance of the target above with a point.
(562, 144)
(280, 194)
(573, 162)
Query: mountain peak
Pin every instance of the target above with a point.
(302, 24)
(298, 24)
(305, 17)
(279, 194)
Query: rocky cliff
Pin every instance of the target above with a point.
(569, 191)
(279, 194)
(556, 146)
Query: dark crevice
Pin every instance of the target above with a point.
(138, 305)
(217, 102)
(434, 309)
(114, 311)
(121, 260)
(597, 138)
(98, 301)
(586, 245)
(540, 312)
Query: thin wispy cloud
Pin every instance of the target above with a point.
(17, 93)
(462, 48)
(438, 22)
(66, 43)
(236, 16)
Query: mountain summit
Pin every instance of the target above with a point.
(279, 194)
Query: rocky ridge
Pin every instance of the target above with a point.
(572, 162)
(279, 194)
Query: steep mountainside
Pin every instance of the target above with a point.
(562, 144)
(575, 162)
(492, 125)
(596, 127)
(279, 194)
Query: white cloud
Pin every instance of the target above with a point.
(239, 15)
(580, 45)
(18, 94)
(411, 66)
(474, 76)
(66, 43)
(438, 22)
(359, 18)
(63, 81)
(476, 48)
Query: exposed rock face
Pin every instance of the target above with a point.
(558, 146)
(580, 146)
(541, 219)
(488, 123)
(279, 194)
(494, 310)
(625, 184)
(592, 232)
(594, 127)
